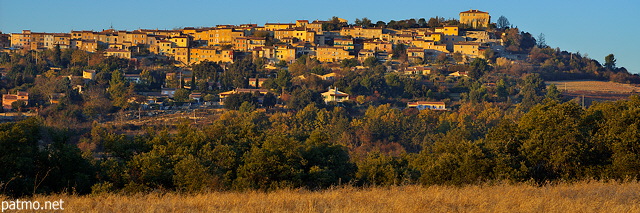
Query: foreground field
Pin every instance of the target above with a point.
(576, 197)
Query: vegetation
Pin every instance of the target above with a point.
(563, 197)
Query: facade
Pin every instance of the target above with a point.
(332, 54)
(278, 26)
(427, 105)
(224, 95)
(256, 82)
(383, 46)
(360, 32)
(8, 99)
(334, 95)
(345, 43)
(471, 49)
(448, 30)
(89, 74)
(475, 18)
(126, 54)
(200, 54)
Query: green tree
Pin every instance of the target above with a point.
(555, 144)
(478, 68)
(181, 95)
(503, 23)
(191, 176)
(371, 62)
(235, 101)
(118, 90)
(610, 62)
(300, 98)
(553, 93)
(275, 165)
(349, 62)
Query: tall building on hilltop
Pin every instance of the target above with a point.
(475, 18)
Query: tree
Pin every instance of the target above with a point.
(400, 52)
(371, 62)
(269, 100)
(300, 98)
(349, 62)
(553, 93)
(422, 22)
(610, 62)
(478, 68)
(542, 43)
(365, 22)
(118, 90)
(503, 22)
(18, 105)
(234, 101)
(181, 95)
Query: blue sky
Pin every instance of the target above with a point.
(596, 28)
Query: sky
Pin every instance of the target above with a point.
(593, 28)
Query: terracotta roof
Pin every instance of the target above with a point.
(115, 50)
(425, 103)
(473, 11)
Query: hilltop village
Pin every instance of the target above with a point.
(423, 63)
(333, 43)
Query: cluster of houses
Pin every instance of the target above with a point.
(224, 42)
(273, 41)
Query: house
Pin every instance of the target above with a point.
(475, 18)
(195, 96)
(427, 105)
(222, 35)
(418, 70)
(334, 95)
(120, 53)
(345, 43)
(448, 30)
(224, 95)
(416, 54)
(200, 54)
(378, 46)
(89, 74)
(329, 76)
(132, 78)
(256, 82)
(168, 92)
(278, 26)
(5, 40)
(284, 53)
(458, 74)
(360, 32)
(8, 99)
(55, 98)
(433, 36)
(364, 54)
(332, 54)
(180, 41)
(471, 49)
(247, 44)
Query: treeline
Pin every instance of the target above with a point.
(316, 148)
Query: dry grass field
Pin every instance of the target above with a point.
(570, 197)
(595, 86)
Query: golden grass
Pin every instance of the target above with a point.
(575, 197)
(594, 86)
